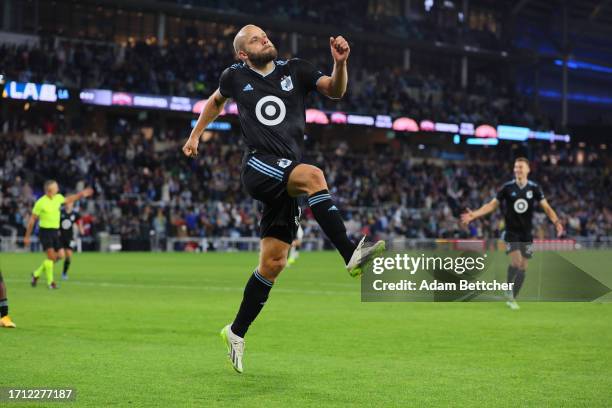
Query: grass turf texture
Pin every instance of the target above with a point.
(143, 330)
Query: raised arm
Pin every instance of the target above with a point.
(213, 107)
(81, 194)
(552, 215)
(470, 215)
(30, 227)
(334, 86)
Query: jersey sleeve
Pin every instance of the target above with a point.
(539, 194)
(37, 208)
(501, 193)
(226, 83)
(307, 74)
(61, 198)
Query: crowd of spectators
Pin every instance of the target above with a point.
(192, 68)
(145, 187)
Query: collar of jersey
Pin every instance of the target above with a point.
(516, 182)
(260, 74)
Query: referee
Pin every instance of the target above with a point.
(47, 211)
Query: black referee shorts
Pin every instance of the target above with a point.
(49, 238)
(518, 241)
(265, 178)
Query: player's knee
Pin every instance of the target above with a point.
(272, 266)
(277, 264)
(316, 179)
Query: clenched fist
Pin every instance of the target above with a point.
(191, 147)
(340, 49)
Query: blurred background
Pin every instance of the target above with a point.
(442, 96)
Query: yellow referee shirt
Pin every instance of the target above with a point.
(48, 211)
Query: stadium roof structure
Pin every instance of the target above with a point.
(583, 14)
(585, 20)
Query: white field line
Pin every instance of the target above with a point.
(192, 287)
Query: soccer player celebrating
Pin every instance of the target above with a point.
(518, 198)
(270, 95)
(47, 211)
(68, 219)
(5, 319)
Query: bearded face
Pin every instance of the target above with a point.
(263, 56)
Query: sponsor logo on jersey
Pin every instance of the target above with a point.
(270, 110)
(520, 206)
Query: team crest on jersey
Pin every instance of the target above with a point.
(529, 194)
(286, 83)
(284, 163)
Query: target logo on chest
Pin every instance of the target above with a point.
(520, 206)
(270, 110)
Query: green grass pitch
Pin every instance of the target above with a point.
(142, 330)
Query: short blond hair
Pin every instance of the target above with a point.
(49, 183)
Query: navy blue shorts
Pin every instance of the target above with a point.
(265, 178)
(518, 242)
(67, 240)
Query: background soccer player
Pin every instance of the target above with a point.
(294, 252)
(5, 319)
(518, 198)
(69, 218)
(47, 211)
(270, 97)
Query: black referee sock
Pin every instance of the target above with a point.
(3, 307)
(66, 266)
(518, 282)
(328, 217)
(511, 274)
(255, 295)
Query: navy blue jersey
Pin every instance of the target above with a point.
(271, 107)
(517, 205)
(67, 220)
